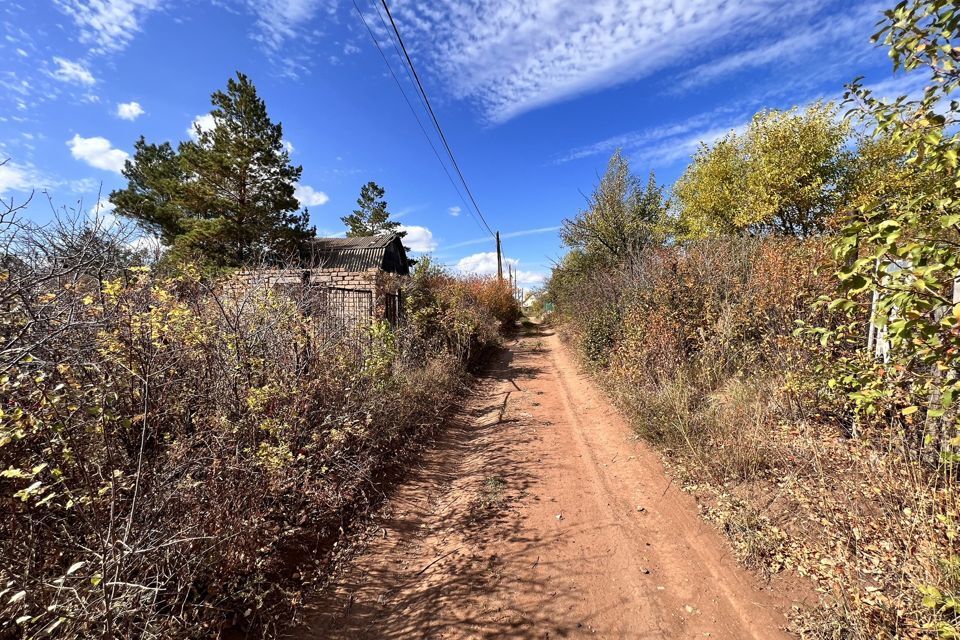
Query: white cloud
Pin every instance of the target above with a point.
(9, 81)
(19, 177)
(73, 72)
(102, 207)
(24, 177)
(404, 212)
(659, 146)
(81, 185)
(512, 56)
(280, 20)
(101, 214)
(205, 121)
(108, 25)
(129, 110)
(909, 85)
(654, 151)
(97, 152)
(664, 134)
(148, 244)
(454, 211)
(654, 147)
(310, 197)
(485, 264)
(419, 239)
(288, 146)
(665, 152)
(527, 232)
(527, 279)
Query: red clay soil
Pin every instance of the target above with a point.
(538, 515)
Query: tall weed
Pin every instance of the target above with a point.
(178, 457)
(706, 363)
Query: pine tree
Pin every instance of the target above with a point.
(152, 197)
(371, 216)
(227, 196)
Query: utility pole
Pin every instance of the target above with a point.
(499, 260)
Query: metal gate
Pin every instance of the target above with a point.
(342, 312)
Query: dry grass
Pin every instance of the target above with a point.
(868, 526)
(701, 357)
(179, 458)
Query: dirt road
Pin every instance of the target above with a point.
(537, 515)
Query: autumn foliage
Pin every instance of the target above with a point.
(789, 339)
(178, 457)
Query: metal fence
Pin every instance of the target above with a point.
(341, 317)
(342, 313)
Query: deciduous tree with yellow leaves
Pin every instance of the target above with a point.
(786, 174)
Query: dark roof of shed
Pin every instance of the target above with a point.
(361, 253)
(361, 242)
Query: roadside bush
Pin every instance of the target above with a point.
(444, 309)
(177, 457)
(695, 322)
(756, 418)
(595, 319)
(707, 305)
(495, 296)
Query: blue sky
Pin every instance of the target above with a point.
(534, 96)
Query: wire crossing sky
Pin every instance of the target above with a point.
(532, 95)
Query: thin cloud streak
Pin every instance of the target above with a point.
(503, 236)
(662, 145)
(849, 31)
(486, 54)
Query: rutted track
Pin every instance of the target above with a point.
(538, 515)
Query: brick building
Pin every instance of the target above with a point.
(356, 279)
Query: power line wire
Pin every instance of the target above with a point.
(423, 103)
(393, 43)
(413, 111)
(433, 116)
